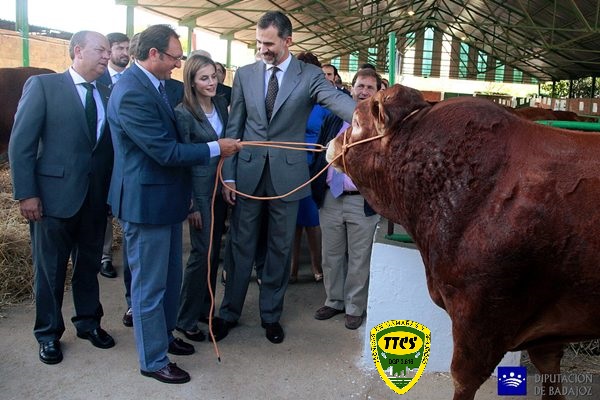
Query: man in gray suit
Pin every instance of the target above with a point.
(61, 159)
(271, 101)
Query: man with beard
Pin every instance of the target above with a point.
(119, 59)
(271, 101)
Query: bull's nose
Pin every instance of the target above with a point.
(330, 155)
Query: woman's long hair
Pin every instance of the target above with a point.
(190, 101)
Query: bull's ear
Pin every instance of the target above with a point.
(378, 112)
(400, 103)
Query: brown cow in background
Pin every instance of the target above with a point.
(12, 81)
(505, 213)
(541, 114)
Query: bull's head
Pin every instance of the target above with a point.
(369, 163)
(381, 115)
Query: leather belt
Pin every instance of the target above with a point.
(350, 192)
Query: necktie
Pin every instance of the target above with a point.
(272, 90)
(91, 113)
(117, 76)
(336, 185)
(163, 94)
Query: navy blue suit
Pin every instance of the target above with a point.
(150, 194)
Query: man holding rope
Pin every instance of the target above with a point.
(271, 101)
(150, 194)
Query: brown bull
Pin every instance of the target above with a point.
(11, 86)
(504, 213)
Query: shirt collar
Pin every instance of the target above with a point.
(78, 79)
(155, 81)
(283, 66)
(113, 72)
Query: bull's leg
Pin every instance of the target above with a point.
(473, 361)
(546, 359)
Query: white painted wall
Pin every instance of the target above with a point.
(398, 290)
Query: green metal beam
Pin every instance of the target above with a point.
(129, 23)
(22, 25)
(392, 57)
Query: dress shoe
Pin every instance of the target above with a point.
(107, 270)
(99, 338)
(221, 328)
(50, 352)
(274, 332)
(181, 348)
(196, 336)
(170, 373)
(353, 321)
(128, 318)
(327, 312)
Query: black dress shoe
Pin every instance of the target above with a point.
(50, 352)
(221, 328)
(197, 336)
(181, 348)
(170, 373)
(128, 318)
(107, 270)
(99, 338)
(274, 331)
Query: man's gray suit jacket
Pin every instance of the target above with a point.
(303, 85)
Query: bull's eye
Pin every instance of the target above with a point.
(355, 126)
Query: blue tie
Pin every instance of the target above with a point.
(163, 94)
(336, 185)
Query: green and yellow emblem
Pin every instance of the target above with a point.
(400, 350)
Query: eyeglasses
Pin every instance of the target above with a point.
(182, 58)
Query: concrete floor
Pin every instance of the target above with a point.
(317, 360)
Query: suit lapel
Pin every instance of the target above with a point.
(152, 90)
(75, 102)
(104, 94)
(257, 85)
(291, 79)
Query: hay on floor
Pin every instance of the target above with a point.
(16, 272)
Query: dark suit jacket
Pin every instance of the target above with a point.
(303, 85)
(105, 79)
(225, 92)
(174, 89)
(150, 182)
(51, 152)
(193, 130)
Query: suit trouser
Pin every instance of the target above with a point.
(243, 235)
(154, 255)
(195, 299)
(53, 241)
(108, 241)
(347, 237)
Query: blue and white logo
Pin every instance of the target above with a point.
(512, 381)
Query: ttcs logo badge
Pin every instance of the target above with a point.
(400, 350)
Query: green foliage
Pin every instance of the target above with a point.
(581, 88)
